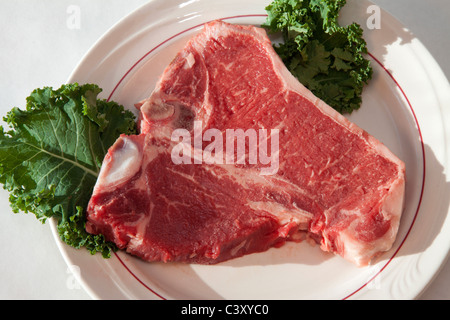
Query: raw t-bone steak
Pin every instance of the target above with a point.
(329, 180)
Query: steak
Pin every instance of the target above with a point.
(160, 199)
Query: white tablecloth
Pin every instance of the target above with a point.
(41, 42)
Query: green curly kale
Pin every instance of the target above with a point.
(325, 57)
(51, 156)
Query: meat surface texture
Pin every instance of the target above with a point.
(334, 183)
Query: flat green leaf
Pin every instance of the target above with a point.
(51, 156)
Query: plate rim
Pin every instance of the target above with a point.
(104, 38)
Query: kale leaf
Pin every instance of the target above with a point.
(324, 56)
(51, 155)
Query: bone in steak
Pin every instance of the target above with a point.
(335, 182)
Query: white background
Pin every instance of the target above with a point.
(38, 48)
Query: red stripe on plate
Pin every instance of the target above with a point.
(423, 176)
(377, 61)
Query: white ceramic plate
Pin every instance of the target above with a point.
(406, 106)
